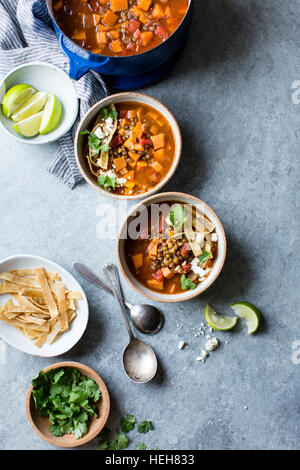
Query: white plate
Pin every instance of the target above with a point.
(67, 340)
(48, 78)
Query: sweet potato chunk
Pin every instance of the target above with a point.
(138, 260)
(138, 130)
(160, 155)
(159, 141)
(153, 248)
(158, 167)
(96, 19)
(119, 5)
(119, 163)
(157, 11)
(101, 37)
(156, 285)
(145, 4)
(167, 273)
(109, 18)
(116, 46)
(79, 35)
(146, 37)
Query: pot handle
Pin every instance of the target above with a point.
(79, 66)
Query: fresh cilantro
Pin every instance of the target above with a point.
(94, 142)
(119, 442)
(145, 426)
(67, 398)
(141, 446)
(109, 113)
(186, 283)
(176, 216)
(205, 255)
(107, 182)
(127, 423)
(103, 446)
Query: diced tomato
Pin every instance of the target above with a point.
(133, 25)
(184, 250)
(158, 275)
(137, 33)
(155, 177)
(145, 141)
(161, 32)
(186, 268)
(116, 141)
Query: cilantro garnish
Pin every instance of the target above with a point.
(141, 446)
(127, 423)
(68, 398)
(95, 142)
(205, 255)
(107, 182)
(186, 283)
(109, 113)
(176, 216)
(145, 426)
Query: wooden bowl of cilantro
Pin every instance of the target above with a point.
(67, 404)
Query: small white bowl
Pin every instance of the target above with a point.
(217, 267)
(67, 340)
(48, 78)
(90, 117)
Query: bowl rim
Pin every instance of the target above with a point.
(103, 419)
(168, 176)
(84, 299)
(192, 293)
(140, 54)
(71, 84)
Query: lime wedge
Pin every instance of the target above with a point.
(15, 97)
(217, 321)
(249, 312)
(52, 114)
(32, 105)
(30, 126)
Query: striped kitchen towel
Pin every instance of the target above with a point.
(26, 35)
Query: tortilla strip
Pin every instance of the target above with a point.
(33, 272)
(62, 306)
(71, 315)
(47, 293)
(55, 329)
(9, 288)
(20, 309)
(71, 304)
(29, 333)
(27, 302)
(32, 326)
(41, 339)
(23, 281)
(32, 319)
(196, 247)
(73, 295)
(196, 217)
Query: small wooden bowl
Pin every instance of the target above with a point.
(41, 425)
(189, 294)
(91, 116)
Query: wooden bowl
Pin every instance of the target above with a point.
(217, 267)
(91, 116)
(41, 425)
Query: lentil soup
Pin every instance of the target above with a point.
(173, 259)
(130, 149)
(119, 27)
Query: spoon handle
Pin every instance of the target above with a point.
(112, 275)
(86, 272)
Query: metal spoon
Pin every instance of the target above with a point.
(139, 359)
(146, 318)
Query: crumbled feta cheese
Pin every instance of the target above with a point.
(211, 330)
(208, 337)
(181, 345)
(204, 353)
(99, 133)
(214, 237)
(199, 238)
(112, 174)
(245, 407)
(200, 359)
(212, 344)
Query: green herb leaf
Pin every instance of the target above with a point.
(127, 423)
(119, 442)
(205, 255)
(94, 142)
(107, 182)
(103, 445)
(141, 446)
(176, 216)
(186, 283)
(109, 113)
(145, 426)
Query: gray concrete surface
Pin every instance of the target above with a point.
(232, 94)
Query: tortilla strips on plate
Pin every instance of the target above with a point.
(9, 288)
(32, 326)
(47, 292)
(33, 272)
(62, 306)
(54, 331)
(73, 295)
(23, 281)
(26, 302)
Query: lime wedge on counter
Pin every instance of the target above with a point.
(32, 105)
(30, 126)
(217, 321)
(52, 114)
(249, 312)
(15, 97)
